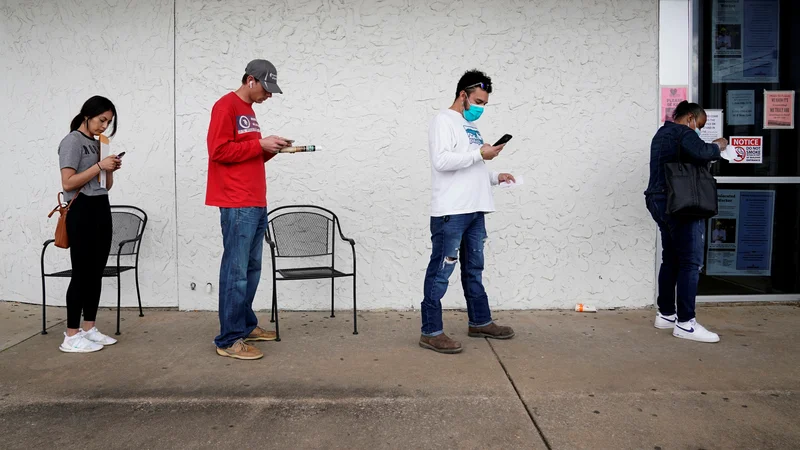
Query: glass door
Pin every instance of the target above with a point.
(746, 73)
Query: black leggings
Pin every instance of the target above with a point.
(89, 229)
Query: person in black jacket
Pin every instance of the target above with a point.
(682, 239)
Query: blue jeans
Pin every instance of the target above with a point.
(683, 242)
(458, 237)
(243, 241)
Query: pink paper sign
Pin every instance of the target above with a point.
(778, 109)
(671, 96)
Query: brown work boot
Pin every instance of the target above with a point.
(240, 350)
(260, 334)
(441, 343)
(491, 331)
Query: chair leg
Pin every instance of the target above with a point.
(275, 315)
(119, 302)
(44, 307)
(274, 298)
(355, 313)
(333, 291)
(272, 308)
(138, 295)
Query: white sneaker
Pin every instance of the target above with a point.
(694, 331)
(665, 322)
(78, 344)
(97, 337)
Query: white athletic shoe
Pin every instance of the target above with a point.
(694, 331)
(665, 322)
(78, 344)
(97, 337)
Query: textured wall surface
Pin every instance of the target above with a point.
(55, 55)
(575, 83)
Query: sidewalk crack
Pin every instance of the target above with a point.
(519, 396)
(38, 333)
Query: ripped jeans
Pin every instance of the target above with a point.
(457, 238)
(682, 242)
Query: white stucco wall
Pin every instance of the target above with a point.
(575, 83)
(55, 55)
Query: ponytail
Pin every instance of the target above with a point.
(92, 108)
(76, 123)
(685, 108)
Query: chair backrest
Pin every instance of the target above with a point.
(128, 223)
(300, 231)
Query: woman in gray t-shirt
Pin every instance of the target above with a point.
(89, 220)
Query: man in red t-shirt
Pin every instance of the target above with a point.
(237, 184)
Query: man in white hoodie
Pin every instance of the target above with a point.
(461, 196)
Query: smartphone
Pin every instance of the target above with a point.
(503, 140)
(121, 155)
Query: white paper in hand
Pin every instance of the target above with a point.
(507, 184)
(729, 153)
(105, 150)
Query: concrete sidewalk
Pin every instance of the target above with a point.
(568, 380)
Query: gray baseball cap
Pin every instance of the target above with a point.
(265, 72)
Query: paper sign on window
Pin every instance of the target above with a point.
(671, 96)
(746, 150)
(778, 109)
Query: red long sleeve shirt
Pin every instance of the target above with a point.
(236, 174)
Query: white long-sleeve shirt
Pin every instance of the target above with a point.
(460, 181)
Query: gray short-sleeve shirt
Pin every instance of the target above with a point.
(80, 152)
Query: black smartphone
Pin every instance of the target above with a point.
(121, 155)
(503, 140)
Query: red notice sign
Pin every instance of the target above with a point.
(748, 149)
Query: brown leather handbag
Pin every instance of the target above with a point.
(61, 239)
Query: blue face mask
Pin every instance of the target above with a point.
(473, 113)
(696, 130)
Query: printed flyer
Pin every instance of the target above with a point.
(741, 107)
(713, 128)
(671, 96)
(778, 110)
(740, 236)
(745, 47)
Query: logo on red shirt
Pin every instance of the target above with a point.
(247, 124)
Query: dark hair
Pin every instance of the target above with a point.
(244, 78)
(685, 108)
(92, 108)
(471, 81)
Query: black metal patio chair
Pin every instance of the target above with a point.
(128, 227)
(302, 232)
